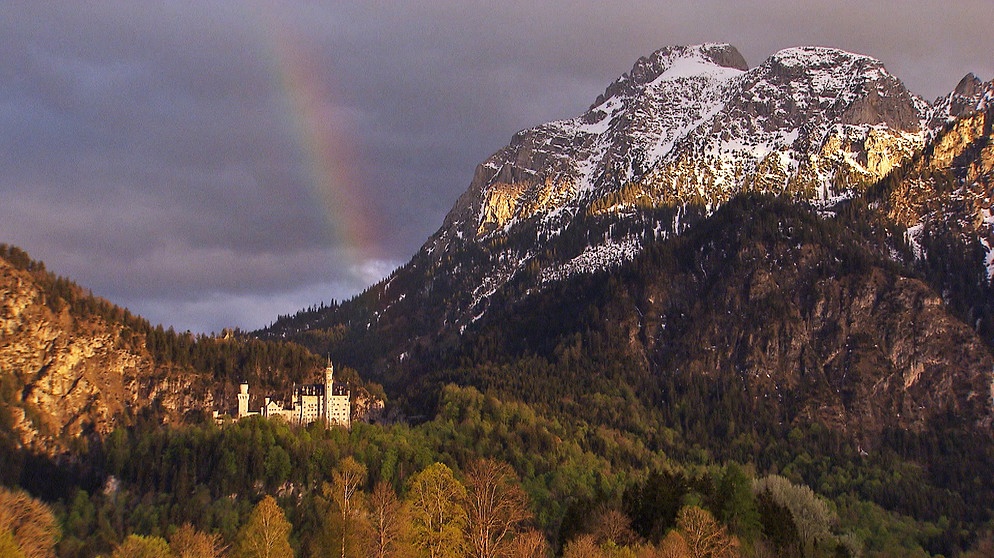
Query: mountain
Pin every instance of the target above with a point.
(819, 304)
(666, 144)
(970, 96)
(694, 126)
(942, 201)
(788, 266)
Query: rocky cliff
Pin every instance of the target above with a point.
(65, 376)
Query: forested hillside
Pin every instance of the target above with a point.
(574, 490)
(75, 366)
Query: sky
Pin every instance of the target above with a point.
(218, 163)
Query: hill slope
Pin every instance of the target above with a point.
(73, 365)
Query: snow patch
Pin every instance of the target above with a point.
(913, 237)
(595, 258)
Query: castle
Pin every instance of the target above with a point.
(309, 403)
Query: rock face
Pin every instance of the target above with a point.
(970, 95)
(65, 377)
(949, 189)
(821, 330)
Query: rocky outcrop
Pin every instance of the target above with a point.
(64, 377)
(970, 95)
(949, 189)
(821, 332)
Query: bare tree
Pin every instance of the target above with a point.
(496, 507)
(704, 536)
(187, 542)
(613, 525)
(529, 544)
(346, 481)
(386, 517)
(583, 546)
(673, 545)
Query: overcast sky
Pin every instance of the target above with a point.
(214, 164)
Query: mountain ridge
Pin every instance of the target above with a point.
(835, 119)
(686, 132)
(649, 116)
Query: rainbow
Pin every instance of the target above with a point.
(322, 133)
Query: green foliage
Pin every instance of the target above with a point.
(735, 502)
(810, 515)
(138, 546)
(778, 525)
(653, 504)
(176, 475)
(438, 512)
(8, 546)
(266, 534)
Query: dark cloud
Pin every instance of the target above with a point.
(154, 151)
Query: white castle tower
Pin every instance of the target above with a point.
(329, 385)
(338, 408)
(243, 400)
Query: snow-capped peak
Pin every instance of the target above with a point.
(685, 130)
(691, 126)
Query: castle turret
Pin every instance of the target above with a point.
(329, 384)
(243, 400)
(338, 408)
